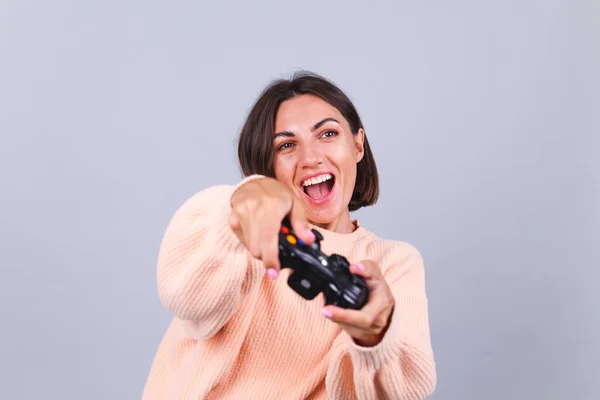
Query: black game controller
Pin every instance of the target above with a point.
(313, 272)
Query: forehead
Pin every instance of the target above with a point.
(303, 111)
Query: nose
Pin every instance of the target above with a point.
(310, 157)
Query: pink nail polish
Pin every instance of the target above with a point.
(273, 274)
(326, 313)
(360, 266)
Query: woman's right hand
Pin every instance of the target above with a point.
(258, 208)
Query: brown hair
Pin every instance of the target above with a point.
(255, 145)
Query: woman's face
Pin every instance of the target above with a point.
(316, 156)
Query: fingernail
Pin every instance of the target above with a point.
(360, 266)
(326, 313)
(311, 233)
(273, 274)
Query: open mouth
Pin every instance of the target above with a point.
(318, 187)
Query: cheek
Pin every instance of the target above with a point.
(284, 169)
(350, 177)
(346, 156)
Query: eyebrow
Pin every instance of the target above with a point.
(314, 128)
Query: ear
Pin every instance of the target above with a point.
(359, 143)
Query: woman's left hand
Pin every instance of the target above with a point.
(368, 325)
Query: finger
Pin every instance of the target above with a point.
(366, 268)
(374, 310)
(300, 224)
(363, 338)
(251, 229)
(353, 318)
(364, 318)
(234, 224)
(270, 246)
(353, 331)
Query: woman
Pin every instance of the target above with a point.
(239, 331)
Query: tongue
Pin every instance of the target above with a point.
(318, 191)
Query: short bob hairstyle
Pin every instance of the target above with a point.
(255, 145)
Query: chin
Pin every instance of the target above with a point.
(324, 215)
(319, 217)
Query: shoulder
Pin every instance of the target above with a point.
(214, 200)
(395, 250)
(209, 203)
(396, 258)
(213, 195)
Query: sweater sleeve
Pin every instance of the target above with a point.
(203, 269)
(401, 366)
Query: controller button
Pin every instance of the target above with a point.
(291, 239)
(285, 229)
(300, 242)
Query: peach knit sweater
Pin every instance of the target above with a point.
(236, 334)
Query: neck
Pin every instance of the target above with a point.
(342, 224)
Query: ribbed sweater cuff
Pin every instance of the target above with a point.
(389, 350)
(242, 182)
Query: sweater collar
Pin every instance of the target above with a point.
(336, 240)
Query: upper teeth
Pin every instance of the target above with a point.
(317, 179)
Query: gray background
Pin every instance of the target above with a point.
(483, 119)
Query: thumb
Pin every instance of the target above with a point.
(300, 224)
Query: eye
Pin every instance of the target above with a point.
(330, 133)
(284, 146)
